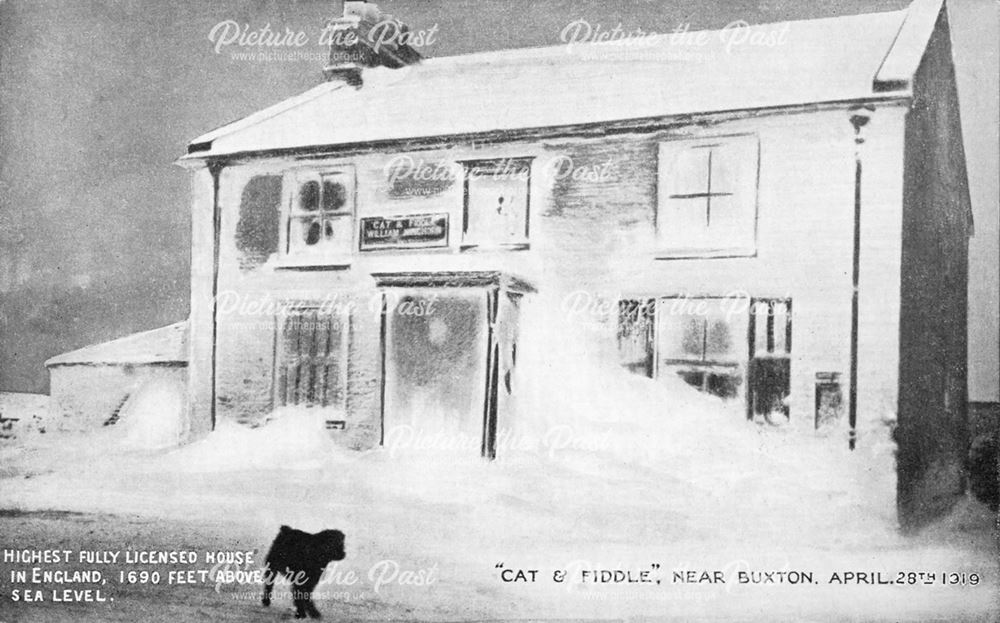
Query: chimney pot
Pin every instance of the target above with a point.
(351, 49)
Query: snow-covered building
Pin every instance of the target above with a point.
(778, 214)
(90, 386)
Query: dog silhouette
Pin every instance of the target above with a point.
(301, 558)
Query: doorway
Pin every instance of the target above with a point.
(448, 350)
(435, 367)
(770, 360)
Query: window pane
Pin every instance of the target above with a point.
(338, 233)
(685, 223)
(305, 232)
(680, 330)
(309, 196)
(724, 385)
(781, 321)
(734, 165)
(726, 329)
(718, 339)
(334, 194)
(689, 171)
(731, 223)
(693, 338)
(724, 220)
(760, 327)
(725, 171)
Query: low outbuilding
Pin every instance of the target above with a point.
(89, 387)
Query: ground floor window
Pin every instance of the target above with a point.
(729, 346)
(701, 340)
(311, 360)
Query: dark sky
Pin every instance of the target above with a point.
(98, 98)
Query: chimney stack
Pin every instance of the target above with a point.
(364, 36)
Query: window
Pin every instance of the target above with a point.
(635, 335)
(714, 344)
(708, 197)
(496, 202)
(320, 219)
(703, 340)
(311, 368)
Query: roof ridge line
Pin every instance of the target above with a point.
(526, 50)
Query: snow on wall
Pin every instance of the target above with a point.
(593, 234)
(85, 397)
(154, 415)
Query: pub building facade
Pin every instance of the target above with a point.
(780, 225)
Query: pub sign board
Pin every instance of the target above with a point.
(420, 231)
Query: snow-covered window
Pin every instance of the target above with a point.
(635, 335)
(319, 221)
(704, 341)
(708, 197)
(312, 358)
(496, 203)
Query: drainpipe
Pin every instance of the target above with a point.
(859, 119)
(215, 168)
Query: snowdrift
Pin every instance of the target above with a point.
(596, 468)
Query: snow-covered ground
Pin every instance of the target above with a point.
(610, 472)
(718, 497)
(22, 414)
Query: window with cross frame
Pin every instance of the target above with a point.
(708, 197)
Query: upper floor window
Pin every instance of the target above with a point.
(708, 197)
(320, 217)
(497, 202)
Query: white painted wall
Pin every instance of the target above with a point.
(598, 236)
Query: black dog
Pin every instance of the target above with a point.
(301, 557)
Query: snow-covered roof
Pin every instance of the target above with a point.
(163, 346)
(761, 66)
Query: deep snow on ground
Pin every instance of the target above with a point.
(724, 496)
(598, 469)
(22, 414)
